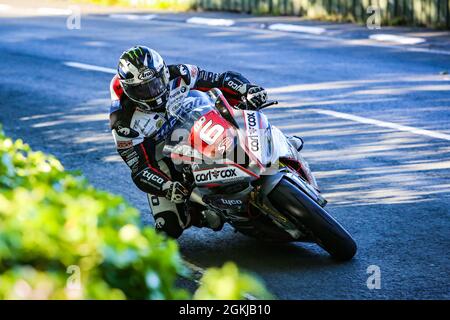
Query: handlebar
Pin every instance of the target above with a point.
(243, 105)
(268, 104)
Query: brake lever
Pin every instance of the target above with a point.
(243, 105)
(268, 104)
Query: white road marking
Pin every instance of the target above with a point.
(296, 28)
(54, 11)
(397, 39)
(90, 67)
(211, 22)
(133, 16)
(4, 7)
(426, 50)
(351, 42)
(384, 124)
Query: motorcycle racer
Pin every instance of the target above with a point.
(141, 91)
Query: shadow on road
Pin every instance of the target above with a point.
(214, 249)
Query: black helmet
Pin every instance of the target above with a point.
(144, 77)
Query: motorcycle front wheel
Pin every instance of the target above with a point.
(289, 200)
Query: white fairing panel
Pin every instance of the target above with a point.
(281, 146)
(265, 142)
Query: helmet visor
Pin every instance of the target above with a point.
(148, 90)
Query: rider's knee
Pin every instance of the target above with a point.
(167, 223)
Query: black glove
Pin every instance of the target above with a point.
(255, 96)
(180, 70)
(176, 192)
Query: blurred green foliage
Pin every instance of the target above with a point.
(228, 283)
(51, 220)
(60, 238)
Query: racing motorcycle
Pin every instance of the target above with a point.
(248, 172)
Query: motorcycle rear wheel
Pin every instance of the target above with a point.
(289, 200)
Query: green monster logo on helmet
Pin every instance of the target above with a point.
(144, 77)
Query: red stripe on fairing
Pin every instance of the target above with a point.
(227, 90)
(149, 165)
(227, 105)
(243, 169)
(211, 185)
(202, 89)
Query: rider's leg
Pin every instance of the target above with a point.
(169, 217)
(202, 217)
(172, 219)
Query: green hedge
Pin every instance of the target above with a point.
(431, 13)
(60, 238)
(51, 220)
(229, 283)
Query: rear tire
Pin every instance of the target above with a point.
(299, 207)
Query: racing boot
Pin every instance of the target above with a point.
(210, 219)
(204, 218)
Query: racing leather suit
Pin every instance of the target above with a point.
(139, 136)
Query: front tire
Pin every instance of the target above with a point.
(289, 200)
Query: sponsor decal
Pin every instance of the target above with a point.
(128, 154)
(183, 69)
(199, 123)
(215, 174)
(124, 144)
(153, 177)
(194, 72)
(175, 93)
(231, 202)
(251, 119)
(160, 222)
(176, 99)
(235, 86)
(252, 131)
(132, 162)
(253, 138)
(159, 123)
(148, 124)
(124, 131)
(254, 143)
(224, 145)
(127, 132)
(165, 128)
(147, 74)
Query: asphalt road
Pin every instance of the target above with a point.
(389, 185)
